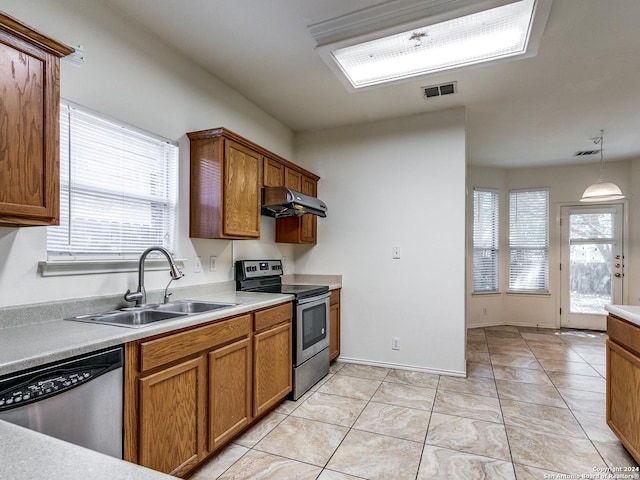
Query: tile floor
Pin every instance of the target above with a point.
(533, 406)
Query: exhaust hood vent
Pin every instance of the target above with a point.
(586, 152)
(440, 90)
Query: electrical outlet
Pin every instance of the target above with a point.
(395, 343)
(484, 311)
(212, 263)
(284, 264)
(197, 265)
(395, 252)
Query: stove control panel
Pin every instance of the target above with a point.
(258, 268)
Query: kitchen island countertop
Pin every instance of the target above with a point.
(630, 313)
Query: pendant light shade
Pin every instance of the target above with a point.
(601, 191)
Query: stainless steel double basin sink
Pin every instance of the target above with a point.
(138, 317)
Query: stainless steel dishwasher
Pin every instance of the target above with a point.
(79, 400)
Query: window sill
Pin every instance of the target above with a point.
(484, 294)
(93, 267)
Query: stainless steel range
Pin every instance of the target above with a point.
(310, 322)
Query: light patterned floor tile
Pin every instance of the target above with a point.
(582, 400)
(353, 387)
(479, 357)
(523, 375)
(573, 368)
(515, 361)
(333, 475)
(405, 395)
(525, 472)
(510, 350)
(530, 393)
(468, 435)
(258, 431)
(442, 463)
(578, 382)
(394, 421)
(408, 377)
(471, 406)
(376, 457)
(220, 463)
(595, 425)
(541, 418)
(553, 452)
(319, 440)
(470, 385)
(263, 466)
(364, 371)
(616, 456)
(479, 370)
(333, 409)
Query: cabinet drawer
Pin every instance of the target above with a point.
(273, 316)
(180, 345)
(624, 333)
(335, 297)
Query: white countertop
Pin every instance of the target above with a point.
(630, 313)
(32, 345)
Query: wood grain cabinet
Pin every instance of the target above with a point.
(29, 125)
(623, 382)
(299, 229)
(272, 357)
(334, 325)
(189, 393)
(225, 195)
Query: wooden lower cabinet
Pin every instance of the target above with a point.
(623, 383)
(334, 325)
(188, 393)
(272, 367)
(229, 391)
(171, 411)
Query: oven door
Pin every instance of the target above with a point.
(312, 327)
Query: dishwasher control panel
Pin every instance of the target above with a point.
(36, 385)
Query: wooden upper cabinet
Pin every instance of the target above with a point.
(273, 173)
(299, 229)
(226, 175)
(29, 124)
(293, 179)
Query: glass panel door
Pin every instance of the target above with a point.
(592, 264)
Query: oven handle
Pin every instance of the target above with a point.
(316, 298)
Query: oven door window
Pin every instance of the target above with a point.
(314, 325)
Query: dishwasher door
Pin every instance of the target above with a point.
(78, 400)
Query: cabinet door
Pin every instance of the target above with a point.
(334, 325)
(308, 222)
(172, 410)
(273, 173)
(623, 406)
(242, 180)
(29, 179)
(272, 367)
(293, 179)
(229, 391)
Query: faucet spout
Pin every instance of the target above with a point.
(140, 295)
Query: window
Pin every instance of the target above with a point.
(529, 240)
(485, 240)
(118, 189)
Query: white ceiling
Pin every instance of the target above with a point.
(530, 112)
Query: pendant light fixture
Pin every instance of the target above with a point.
(601, 191)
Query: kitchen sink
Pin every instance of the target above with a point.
(191, 306)
(143, 317)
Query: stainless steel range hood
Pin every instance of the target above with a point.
(281, 202)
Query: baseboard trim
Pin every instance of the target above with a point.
(400, 366)
(503, 324)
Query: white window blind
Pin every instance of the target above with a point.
(529, 240)
(485, 240)
(118, 189)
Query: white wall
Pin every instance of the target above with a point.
(566, 184)
(398, 182)
(132, 77)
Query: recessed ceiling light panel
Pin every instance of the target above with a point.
(486, 35)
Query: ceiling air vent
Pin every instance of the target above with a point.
(583, 153)
(440, 90)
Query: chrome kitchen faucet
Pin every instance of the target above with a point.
(140, 295)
